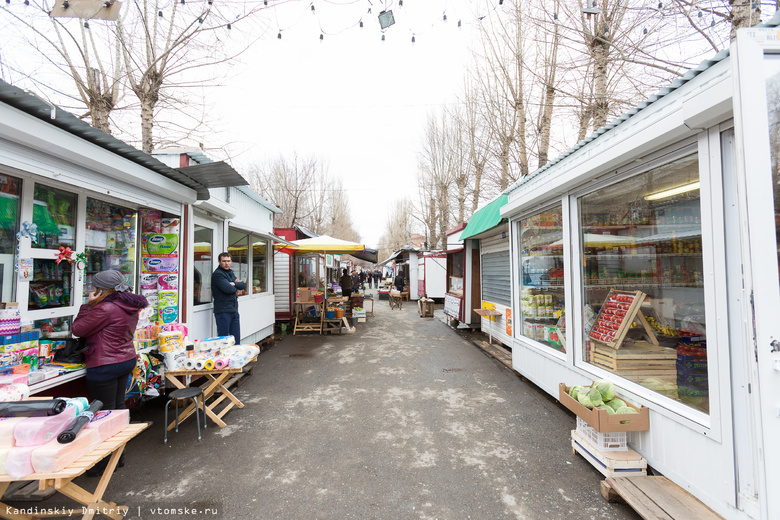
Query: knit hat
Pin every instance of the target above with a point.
(110, 280)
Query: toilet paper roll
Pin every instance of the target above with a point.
(209, 364)
(190, 364)
(200, 364)
(221, 363)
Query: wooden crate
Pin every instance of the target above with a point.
(633, 312)
(602, 420)
(639, 358)
(611, 464)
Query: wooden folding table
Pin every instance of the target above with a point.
(62, 481)
(217, 379)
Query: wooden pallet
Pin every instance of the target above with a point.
(656, 498)
(612, 463)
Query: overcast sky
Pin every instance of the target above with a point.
(355, 101)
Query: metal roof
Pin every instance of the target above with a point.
(674, 85)
(38, 108)
(218, 174)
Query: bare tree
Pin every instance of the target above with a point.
(399, 228)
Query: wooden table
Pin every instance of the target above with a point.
(489, 314)
(299, 309)
(217, 379)
(62, 481)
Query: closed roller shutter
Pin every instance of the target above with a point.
(495, 278)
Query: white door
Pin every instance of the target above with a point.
(207, 244)
(757, 159)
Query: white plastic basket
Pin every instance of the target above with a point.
(610, 441)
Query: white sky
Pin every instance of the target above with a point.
(354, 101)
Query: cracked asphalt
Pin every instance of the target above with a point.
(404, 419)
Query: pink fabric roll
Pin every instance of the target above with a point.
(109, 422)
(18, 462)
(34, 431)
(7, 425)
(53, 456)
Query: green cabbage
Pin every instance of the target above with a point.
(574, 391)
(595, 396)
(583, 398)
(606, 388)
(609, 410)
(625, 409)
(616, 403)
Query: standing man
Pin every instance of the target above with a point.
(346, 283)
(224, 286)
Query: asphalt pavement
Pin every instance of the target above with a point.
(404, 419)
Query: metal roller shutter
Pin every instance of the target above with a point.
(495, 278)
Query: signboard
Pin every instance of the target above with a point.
(452, 305)
(509, 321)
(329, 263)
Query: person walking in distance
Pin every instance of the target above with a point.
(224, 288)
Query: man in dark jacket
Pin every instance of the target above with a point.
(346, 283)
(399, 281)
(224, 286)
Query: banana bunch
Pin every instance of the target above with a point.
(661, 329)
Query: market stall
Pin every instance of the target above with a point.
(656, 238)
(488, 232)
(463, 280)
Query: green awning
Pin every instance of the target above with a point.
(485, 218)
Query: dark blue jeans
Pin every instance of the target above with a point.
(228, 324)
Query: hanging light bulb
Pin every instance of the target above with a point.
(211, 2)
(400, 4)
(594, 3)
(458, 23)
(713, 21)
(106, 4)
(200, 19)
(279, 35)
(265, 3)
(660, 5)
(444, 17)
(159, 13)
(322, 37)
(182, 2)
(644, 31)
(700, 13)
(228, 27)
(500, 2)
(555, 16)
(383, 37)
(26, 2)
(361, 24)
(312, 8)
(65, 4)
(412, 38)
(86, 24)
(606, 29)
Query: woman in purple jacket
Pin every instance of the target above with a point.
(108, 322)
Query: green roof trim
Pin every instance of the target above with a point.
(485, 218)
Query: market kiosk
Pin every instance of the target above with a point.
(669, 213)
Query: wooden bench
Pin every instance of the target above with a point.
(62, 482)
(656, 497)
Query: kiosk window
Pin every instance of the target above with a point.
(641, 256)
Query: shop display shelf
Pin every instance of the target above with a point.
(612, 285)
(648, 255)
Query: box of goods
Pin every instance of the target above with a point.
(358, 312)
(554, 336)
(622, 463)
(151, 221)
(304, 294)
(159, 244)
(620, 420)
(692, 376)
(10, 318)
(160, 264)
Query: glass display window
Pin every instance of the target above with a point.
(260, 250)
(51, 285)
(54, 213)
(10, 190)
(455, 273)
(110, 241)
(542, 297)
(204, 264)
(239, 252)
(306, 271)
(641, 249)
(54, 328)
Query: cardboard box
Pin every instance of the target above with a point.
(601, 420)
(304, 294)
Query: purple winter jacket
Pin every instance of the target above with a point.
(109, 327)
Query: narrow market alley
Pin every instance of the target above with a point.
(402, 419)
